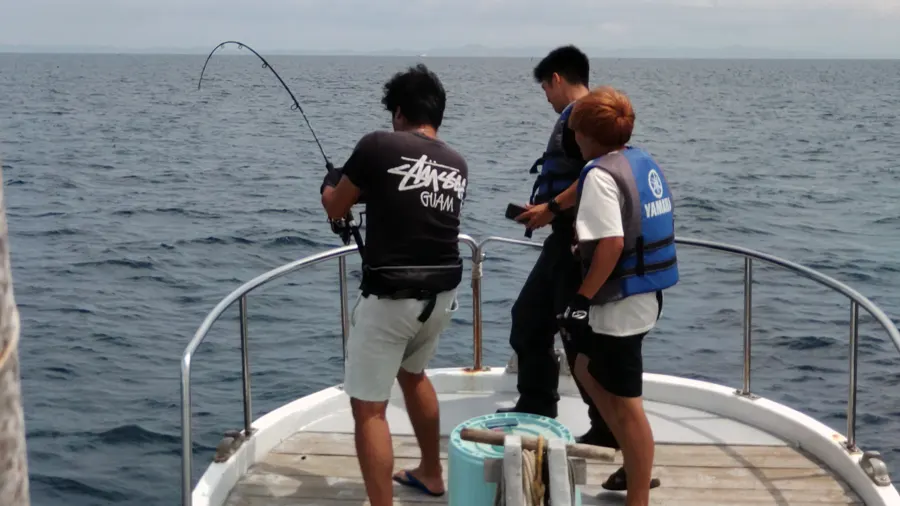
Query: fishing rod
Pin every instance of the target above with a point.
(344, 227)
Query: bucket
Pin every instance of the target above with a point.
(466, 458)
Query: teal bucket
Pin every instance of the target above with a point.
(466, 458)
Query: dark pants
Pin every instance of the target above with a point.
(553, 281)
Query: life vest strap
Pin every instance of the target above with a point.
(652, 246)
(639, 252)
(619, 273)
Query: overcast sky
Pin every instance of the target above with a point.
(864, 27)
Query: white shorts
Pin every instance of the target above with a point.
(385, 335)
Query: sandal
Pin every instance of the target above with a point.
(412, 481)
(617, 481)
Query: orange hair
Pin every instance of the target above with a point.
(604, 115)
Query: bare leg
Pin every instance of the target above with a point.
(374, 450)
(637, 444)
(424, 414)
(628, 422)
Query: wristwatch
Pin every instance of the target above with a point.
(553, 206)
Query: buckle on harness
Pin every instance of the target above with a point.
(411, 293)
(429, 308)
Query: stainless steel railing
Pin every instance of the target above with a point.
(240, 294)
(857, 300)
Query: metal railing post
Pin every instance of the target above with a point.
(345, 310)
(245, 368)
(854, 359)
(477, 258)
(748, 322)
(187, 444)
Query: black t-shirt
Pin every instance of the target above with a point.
(414, 187)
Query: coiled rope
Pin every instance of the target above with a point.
(14, 490)
(532, 477)
(533, 466)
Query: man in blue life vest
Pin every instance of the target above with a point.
(626, 243)
(563, 75)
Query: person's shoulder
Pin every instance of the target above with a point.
(453, 153)
(603, 178)
(373, 138)
(451, 157)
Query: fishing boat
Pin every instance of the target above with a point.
(714, 444)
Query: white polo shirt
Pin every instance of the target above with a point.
(599, 217)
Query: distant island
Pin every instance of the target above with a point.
(480, 51)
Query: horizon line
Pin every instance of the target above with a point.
(467, 51)
(473, 56)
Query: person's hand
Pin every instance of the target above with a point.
(332, 178)
(573, 321)
(535, 216)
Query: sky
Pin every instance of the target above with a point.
(865, 28)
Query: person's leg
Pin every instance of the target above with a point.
(567, 276)
(424, 415)
(613, 375)
(420, 398)
(532, 333)
(375, 350)
(374, 450)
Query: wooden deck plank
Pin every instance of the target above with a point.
(237, 500)
(586, 501)
(685, 477)
(317, 487)
(321, 469)
(341, 444)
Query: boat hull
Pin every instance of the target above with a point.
(741, 420)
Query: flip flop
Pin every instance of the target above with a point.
(412, 481)
(617, 481)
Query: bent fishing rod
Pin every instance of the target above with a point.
(344, 227)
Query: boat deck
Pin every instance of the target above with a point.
(701, 459)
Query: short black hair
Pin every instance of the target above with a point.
(419, 94)
(568, 61)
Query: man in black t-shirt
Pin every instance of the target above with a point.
(414, 185)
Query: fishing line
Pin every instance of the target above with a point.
(266, 65)
(344, 227)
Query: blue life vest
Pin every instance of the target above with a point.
(648, 262)
(558, 170)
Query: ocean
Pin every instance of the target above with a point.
(136, 202)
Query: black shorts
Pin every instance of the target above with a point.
(615, 362)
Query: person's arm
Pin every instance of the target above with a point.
(338, 198)
(540, 215)
(605, 258)
(599, 220)
(569, 197)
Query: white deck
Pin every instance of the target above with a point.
(671, 423)
(303, 453)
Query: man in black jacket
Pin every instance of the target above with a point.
(564, 76)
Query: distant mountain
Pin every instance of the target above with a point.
(478, 51)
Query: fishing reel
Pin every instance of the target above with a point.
(346, 228)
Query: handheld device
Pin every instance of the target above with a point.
(513, 210)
